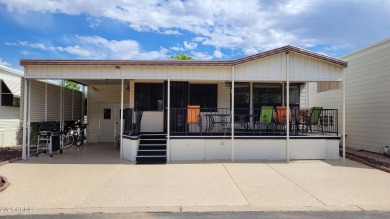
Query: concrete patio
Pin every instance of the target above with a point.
(94, 179)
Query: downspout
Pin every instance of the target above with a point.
(121, 118)
(343, 113)
(169, 121)
(24, 126)
(232, 114)
(288, 108)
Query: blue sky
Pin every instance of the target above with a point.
(204, 29)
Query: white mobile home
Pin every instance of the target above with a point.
(367, 86)
(204, 110)
(10, 80)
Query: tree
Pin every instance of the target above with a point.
(72, 85)
(180, 56)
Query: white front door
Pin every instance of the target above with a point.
(109, 121)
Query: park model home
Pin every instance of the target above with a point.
(205, 110)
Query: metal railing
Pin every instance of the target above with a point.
(250, 121)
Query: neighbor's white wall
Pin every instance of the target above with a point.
(367, 95)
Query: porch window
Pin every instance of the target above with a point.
(149, 96)
(204, 95)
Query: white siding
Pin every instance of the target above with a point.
(45, 102)
(270, 68)
(53, 103)
(77, 105)
(133, 72)
(367, 97)
(102, 94)
(301, 69)
(9, 125)
(329, 100)
(304, 68)
(68, 105)
(37, 101)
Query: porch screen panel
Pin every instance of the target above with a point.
(267, 95)
(37, 101)
(148, 96)
(77, 98)
(204, 95)
(68, 100)
(53, 102)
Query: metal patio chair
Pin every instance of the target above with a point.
(265, 123)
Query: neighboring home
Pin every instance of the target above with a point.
(10, 80)
(202, 110)
(367, 85)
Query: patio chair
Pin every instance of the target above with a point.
(265, 119)
(314, 119)
(281, 112)
(193, 116)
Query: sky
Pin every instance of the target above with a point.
(203, 29)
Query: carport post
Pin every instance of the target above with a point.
(169, 121)
(288, 108)
(121, 113)
(343, 114)
(232, 113)
(62, 109)
(24, 126)
(28, 120)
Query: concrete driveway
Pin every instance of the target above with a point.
(94, 179)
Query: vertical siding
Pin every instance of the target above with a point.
(304, 68)
(267, 69)
(223, 96)
(53, 103)
(9, 125)
(329, 100)
(37, 101)
(302, 96)
(367, 97)
(105, 94)
(68, 104)
(77, 105)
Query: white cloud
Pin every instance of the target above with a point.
(254, 25)
(218, 54)
(190, 46)
(4, 63)
(96, 47)
(177, 48)
(201, 56)
(93, 22)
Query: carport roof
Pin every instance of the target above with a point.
(289, 48)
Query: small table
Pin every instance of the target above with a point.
(210, 120)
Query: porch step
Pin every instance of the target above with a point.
(153, 141)
(151, 159)
(152, 153)
(152, 149)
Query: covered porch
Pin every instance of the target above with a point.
(232, 108)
